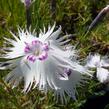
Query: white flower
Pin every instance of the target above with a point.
(69, 86)
(42, 61)
(101, 64)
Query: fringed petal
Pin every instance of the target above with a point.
(102, 75)
(68, 87)
(93, 60)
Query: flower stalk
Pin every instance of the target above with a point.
(28, 17)
(99, 17)
(27, 4)
(53, 8)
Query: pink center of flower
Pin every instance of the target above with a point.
(36, 50)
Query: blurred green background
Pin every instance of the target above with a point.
(74, 16)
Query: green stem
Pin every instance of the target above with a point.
(28, 17)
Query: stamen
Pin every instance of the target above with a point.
(37, 52)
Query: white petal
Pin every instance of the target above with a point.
(93, 60)
(27, 74)
(68, 86)
(104, 61)
(50, 68)
(64, 61)
(44, 36)
(16, 38)
(23, 1)
(18, 44)
(55, 34)
(14, 77)
(9, 64)
(102, 75)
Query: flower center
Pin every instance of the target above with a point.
(36, 50)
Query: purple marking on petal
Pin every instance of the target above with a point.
(43, 56)
(40, 58)
(46, 56)
(45, 47)
(27, 57)
(34, 42)
(27, 49)
(67, 71)
(31, 58)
